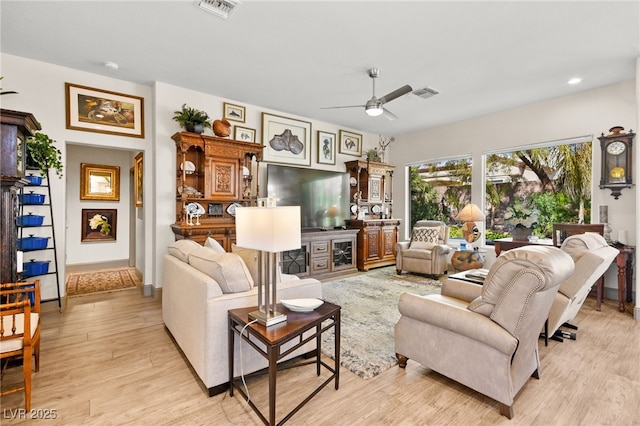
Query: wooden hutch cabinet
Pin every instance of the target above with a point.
(372, 208)
(16, 127)
(214, 176)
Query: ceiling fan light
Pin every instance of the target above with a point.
(373, 108)
(374, 111)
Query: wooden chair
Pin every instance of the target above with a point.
(20, 312)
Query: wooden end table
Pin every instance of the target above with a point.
(274, 337)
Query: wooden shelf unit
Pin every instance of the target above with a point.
(372, 213)
(222, 176)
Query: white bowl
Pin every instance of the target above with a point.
(302, 305)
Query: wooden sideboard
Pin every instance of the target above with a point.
(377, 240)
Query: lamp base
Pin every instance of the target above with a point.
(267, 318)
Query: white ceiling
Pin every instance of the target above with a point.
(297, 57)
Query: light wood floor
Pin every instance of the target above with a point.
(108, 360)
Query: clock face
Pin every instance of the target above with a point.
(616, 147)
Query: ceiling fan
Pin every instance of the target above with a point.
(374, 106)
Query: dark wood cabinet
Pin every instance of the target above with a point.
(16, 127)
(377, 240)
(372, 212)
(216, 175)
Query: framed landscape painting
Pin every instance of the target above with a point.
(286, 140)
(103, 111)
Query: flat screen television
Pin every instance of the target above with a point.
(323, 195)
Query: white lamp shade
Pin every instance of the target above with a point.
(271, 229)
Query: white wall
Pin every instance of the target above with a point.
(81, 253)
(170, 98)
(590, 112)
(41, 91)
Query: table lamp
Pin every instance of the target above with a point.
(269, 230)
(469, 215)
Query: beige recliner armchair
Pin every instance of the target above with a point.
(592, 256)
(485, 337)
(427, 252)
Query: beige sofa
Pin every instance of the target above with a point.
(195, 305)
(485, 337)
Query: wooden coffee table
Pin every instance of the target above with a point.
(274, 337)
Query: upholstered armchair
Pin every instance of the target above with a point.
(592, 257)
(427, 252)
(485, 337)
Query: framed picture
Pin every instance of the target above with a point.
(233, 112)
(102, 111)
(99, 224)
(286, 140)
(350, 143)
(244, 134)
(138, 178)
(98, 182)
(326, 148)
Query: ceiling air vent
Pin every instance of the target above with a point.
(222, 8)
(425, 92)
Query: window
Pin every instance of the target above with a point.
(439, 190)
(536, 186)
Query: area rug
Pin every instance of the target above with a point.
(87, 282)
(369, 313)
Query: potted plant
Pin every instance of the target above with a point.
(193, 120)
(373, 155)
(43, 154)
(521, 220)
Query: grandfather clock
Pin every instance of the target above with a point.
(16, 127)
(617, 160)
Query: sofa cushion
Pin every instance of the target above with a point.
(227, 269)
(181, 249)
(214, 245)
(250, 258)
(424, 238)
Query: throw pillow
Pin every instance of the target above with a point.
(250, 258)
(215, 245)
(182, 248)
(425, 238)
(227, 269)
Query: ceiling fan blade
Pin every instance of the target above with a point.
(345, 106)
(388, 114)
(395, 94)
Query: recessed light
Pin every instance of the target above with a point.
(111, 66)
(574, 80)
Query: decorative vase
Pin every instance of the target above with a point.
(194, 127)
(520, 233)
(221, 128)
